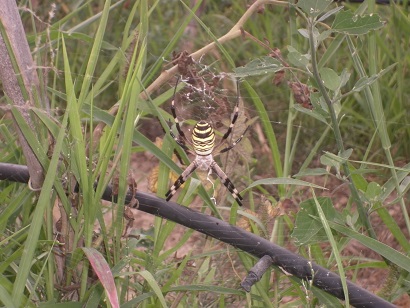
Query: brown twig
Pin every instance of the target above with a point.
(166, 75)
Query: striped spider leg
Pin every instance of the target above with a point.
(202, 144)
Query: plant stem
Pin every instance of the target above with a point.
(339, 141)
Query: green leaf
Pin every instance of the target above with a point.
(348, 23)
(367, 81)
(330, 13)
(330, 79)
(296, 58)
(324, 35)
(314, 8)
(308, 228)
(310, 112)
(373, 191)
(344, 77)
(337, 159)
(362, 83)
(346, 154)
(319, 105)
(312, 172)
(358, 180)
(257, 67)
(304, 32)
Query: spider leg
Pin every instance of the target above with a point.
(174, 114)
(227, 182)
(235, 115)
(235, 143)
(181, 180)
(181, 144)
(233, 121)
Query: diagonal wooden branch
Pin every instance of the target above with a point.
(166, 75)
(19, 79)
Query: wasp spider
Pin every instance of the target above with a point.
(203, 146)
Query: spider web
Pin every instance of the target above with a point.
(203, 99)
(209, 96)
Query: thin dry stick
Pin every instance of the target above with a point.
(13, 43)
(166, 75)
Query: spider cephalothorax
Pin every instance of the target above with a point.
(202, 144)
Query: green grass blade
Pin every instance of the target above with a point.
(154, 286)
(270, 134)
(44, 201)
(386, 251)
(94, 55)
(334, 246)
(6, 298)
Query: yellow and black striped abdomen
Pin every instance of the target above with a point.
(203, 138)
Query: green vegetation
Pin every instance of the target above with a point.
(323, 89)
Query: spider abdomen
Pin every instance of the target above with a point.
(203, 138)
